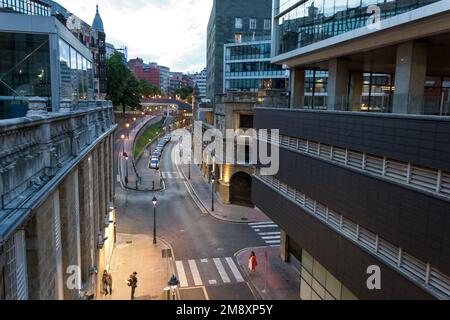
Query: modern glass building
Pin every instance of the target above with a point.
(40, 58)
(248, 68)
(364, 139)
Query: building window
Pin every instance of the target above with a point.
(238, 23)
(238, 38)
(267, 24)
(252, 24)
(24, 70)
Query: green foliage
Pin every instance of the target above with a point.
(149, 134)
(185, 93)
(122, 86)
(146, 89)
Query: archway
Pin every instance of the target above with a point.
(241, 189)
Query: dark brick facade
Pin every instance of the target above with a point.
(342, 258)
(421, 140)
(416, 221)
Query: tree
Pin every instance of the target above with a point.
(146, 89)
(131, 95)
(117, 75)
(123, 87)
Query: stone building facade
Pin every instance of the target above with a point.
(57, 213)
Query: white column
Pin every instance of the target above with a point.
(410, 74)
(338, 78)
(297, 87)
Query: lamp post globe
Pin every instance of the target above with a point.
(155, 203)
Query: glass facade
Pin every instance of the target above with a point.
(24, 72)
(76, 74)
(29, 7)
(248, 68)
(316, 85)
(318, 284)
(301, 23)
(247, 52)
(377, 93)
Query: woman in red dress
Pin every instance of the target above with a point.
(252, 263)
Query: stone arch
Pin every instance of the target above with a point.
(241, 189)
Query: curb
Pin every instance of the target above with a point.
(205, 207)
(255, 291)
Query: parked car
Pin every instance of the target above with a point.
(154, 164)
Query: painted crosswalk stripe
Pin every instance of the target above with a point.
(221, 269)
(234, 269)
(260, 223)
(271, 237)
(265, 226)
(269, 233)
(181, 273)
(195, 273)
(273, 241)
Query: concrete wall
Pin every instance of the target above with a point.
(343, 259)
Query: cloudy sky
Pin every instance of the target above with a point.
(169, 32)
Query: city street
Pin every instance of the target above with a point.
(203, 247)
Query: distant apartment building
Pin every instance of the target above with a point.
(364, 173)
(179, 80)
(56, 178)
(146, 71)
(165, 79)
(233, 21)
(247, 67)
(199, 80)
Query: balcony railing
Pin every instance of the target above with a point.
(421, 272)
(433, 104)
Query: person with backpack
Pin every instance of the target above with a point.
(132, 282)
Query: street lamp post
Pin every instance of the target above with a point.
(126, 165)
(189, 166)
(155, 202)
(123, 144)
(213, 180)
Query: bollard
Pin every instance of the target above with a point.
(166, 293)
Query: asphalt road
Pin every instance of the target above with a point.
(204, 247)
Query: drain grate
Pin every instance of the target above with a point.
(244, 219)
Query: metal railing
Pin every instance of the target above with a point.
(431, 279)
(428, 180)
(433, 104)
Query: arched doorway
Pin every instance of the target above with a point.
(241, 189)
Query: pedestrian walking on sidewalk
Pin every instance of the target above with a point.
(252, 263)
(107, 283)
(132, 282)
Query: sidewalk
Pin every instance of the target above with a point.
(137, 253)
(276, 281)
(129, 168)
(225, 212)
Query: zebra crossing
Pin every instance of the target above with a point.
(268, 231)
(171, 176)
(208, 272)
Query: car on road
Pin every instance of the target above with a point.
(154, 163)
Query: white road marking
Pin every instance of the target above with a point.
(260, 223)
(234, 269)
(212, 282)
(221, 269)
(266, 226)
(181, 274)
(269, 233)
(273, 241)
(204, 260)
(195, 273)
(271, 237)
